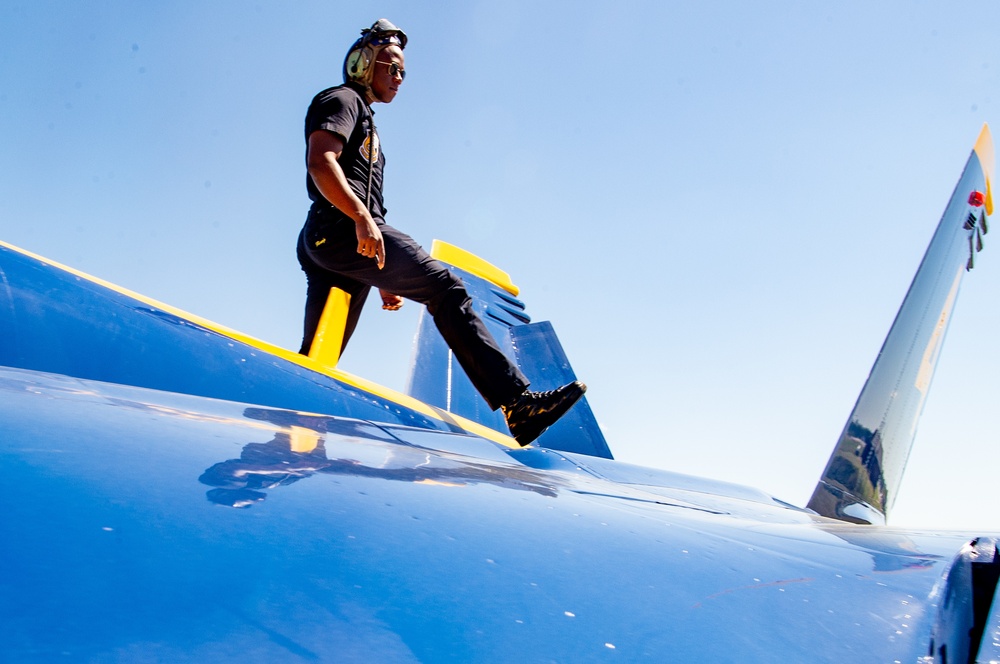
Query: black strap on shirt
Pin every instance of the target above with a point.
(371, 159)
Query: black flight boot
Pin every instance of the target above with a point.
(533, 412)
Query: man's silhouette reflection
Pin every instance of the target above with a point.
(299, 451)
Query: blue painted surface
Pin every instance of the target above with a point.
(436, 377)
(374, 549)
(56, 322)
(250, 509)
(541, 356)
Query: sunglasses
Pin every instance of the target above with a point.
(394, 69)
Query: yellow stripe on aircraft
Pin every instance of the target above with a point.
(464, 260)
(354, 381)
(984, 150)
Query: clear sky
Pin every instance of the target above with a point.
(719, 205)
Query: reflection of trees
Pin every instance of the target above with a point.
(858, 465)
(856, 430)
(299, 451)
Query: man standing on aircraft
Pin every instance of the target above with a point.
(346, 243)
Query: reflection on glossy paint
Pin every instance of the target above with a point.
(446, 575)
(929, 360)
(862, 477)
(297, 452)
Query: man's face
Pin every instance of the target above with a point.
(385, 84)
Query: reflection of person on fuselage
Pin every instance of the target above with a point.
(241, 482)
(299, 453)
(347, 244)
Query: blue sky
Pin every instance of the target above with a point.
(719, 205)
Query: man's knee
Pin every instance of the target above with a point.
(452, 298)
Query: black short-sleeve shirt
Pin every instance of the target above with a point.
(342, 111)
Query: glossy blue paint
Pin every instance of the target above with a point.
(250, 509)
(57, 322)
(396, 544)
(437, 378)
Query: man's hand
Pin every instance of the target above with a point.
(370, 241)
(390, 302)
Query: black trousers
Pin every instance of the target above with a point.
(327, 252)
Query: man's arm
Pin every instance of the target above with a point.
(324, 169)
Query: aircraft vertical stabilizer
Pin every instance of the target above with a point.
(862, 478)
(436, 377)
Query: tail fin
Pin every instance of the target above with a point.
(863, 475)
(437, 379)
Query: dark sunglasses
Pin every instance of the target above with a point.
(394, 69)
